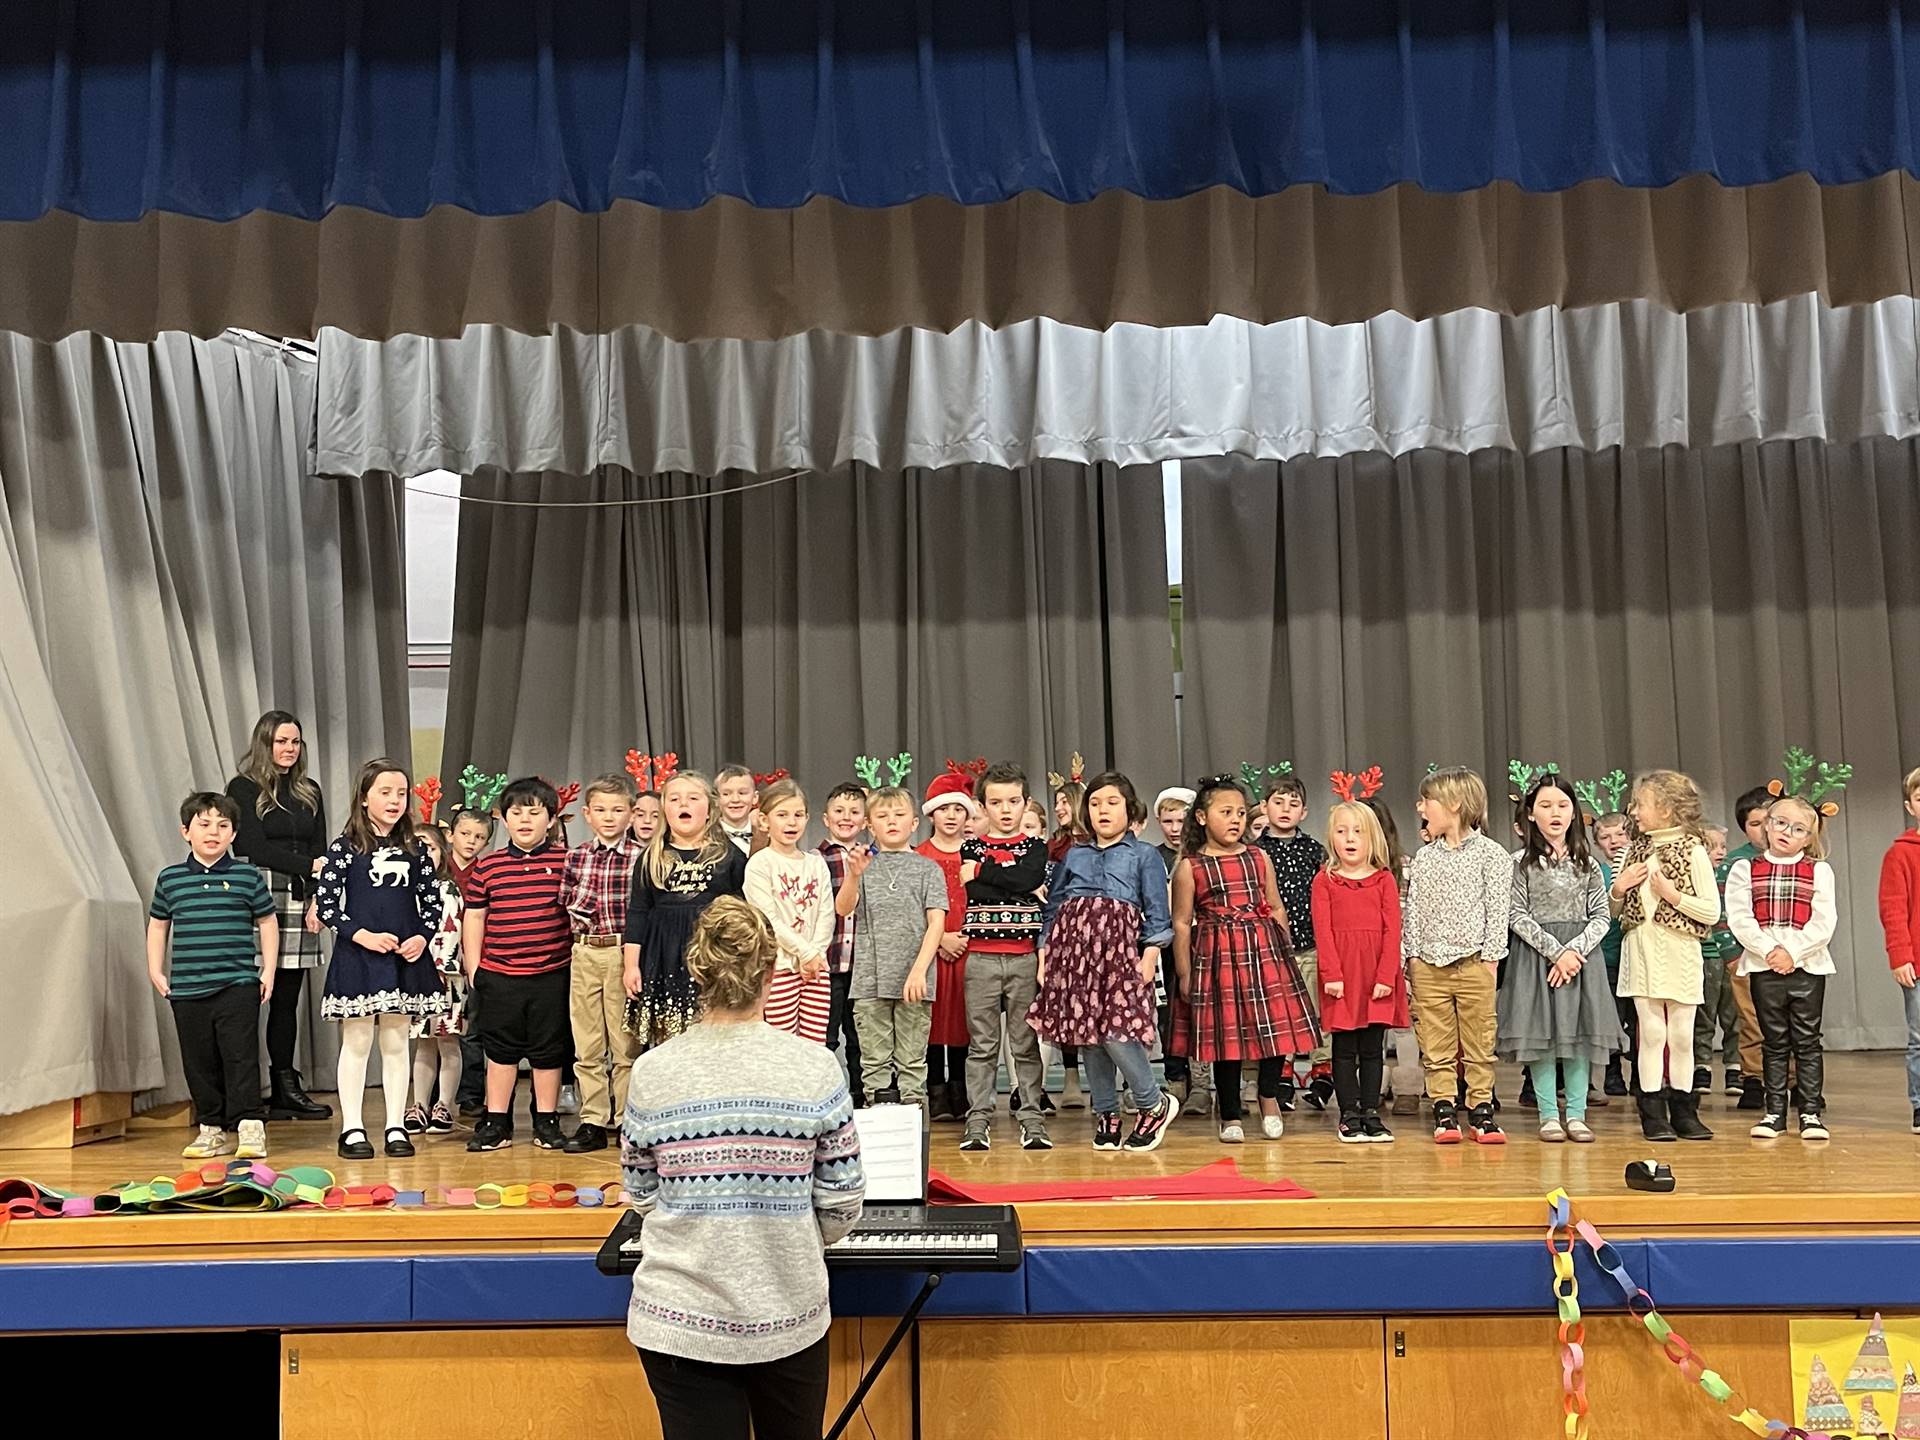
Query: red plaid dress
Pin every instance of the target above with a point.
(1249, 1001)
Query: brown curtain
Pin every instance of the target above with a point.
(955, 613)
(728, 270)
(1702, 609)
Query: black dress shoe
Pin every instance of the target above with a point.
(398, 1145)
(587, 1137)
(351, 1148)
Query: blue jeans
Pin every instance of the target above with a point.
(1912, 997)
(1129, 1057)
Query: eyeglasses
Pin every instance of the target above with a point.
(1792, 829)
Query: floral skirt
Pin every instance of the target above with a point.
(1093, 991)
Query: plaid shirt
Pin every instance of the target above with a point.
(1782, 894)
(840, 948)
(595, 884)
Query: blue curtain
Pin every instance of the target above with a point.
(217, 108)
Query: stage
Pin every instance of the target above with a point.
(1408, 1259)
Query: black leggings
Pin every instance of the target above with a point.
(283, 1018)
(1226, 1083)
(947, 1065)
(785, 1399)
(1358, 1058)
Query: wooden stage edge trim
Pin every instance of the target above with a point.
(1438, 1220)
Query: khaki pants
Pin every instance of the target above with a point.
(1454, 1015)
(893, 1042)
(1309, 963)
(596, 1004)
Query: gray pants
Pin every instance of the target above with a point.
(993, 981)
(893, 1042)
(1717, 1006)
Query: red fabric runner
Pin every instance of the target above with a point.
(1221, 1180)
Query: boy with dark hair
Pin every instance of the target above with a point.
(206, 908)
(595, 883)
(845, 816)
(1750, 814)
(1002, 871)
(516, 942)
(1297, 857)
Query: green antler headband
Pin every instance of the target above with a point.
(867, 767)
(1811, 780)
(478, 791)
(1257, 778)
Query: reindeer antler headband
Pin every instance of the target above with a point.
(867, 767)
(479, 791)
(1076, 773)
(1364, 785)
(651, 772)
(1810, 780)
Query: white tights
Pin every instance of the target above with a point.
(356, 1045)
(436, 1058)
(1666, 1044)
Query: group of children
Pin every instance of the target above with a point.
(1238, 939)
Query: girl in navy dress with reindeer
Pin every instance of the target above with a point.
(379, 894)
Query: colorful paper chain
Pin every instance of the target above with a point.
(1562, 1226)
(302, 1186)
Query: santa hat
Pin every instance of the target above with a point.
(950, 789)
(1179, 793)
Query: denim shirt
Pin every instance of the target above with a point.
(1129, 870)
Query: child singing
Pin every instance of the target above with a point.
(1235, 968)
(1102, 929)
(594, 886)
(1363, 991)
(1557, 1013)
(795, 892)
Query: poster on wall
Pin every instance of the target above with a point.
(1857, 1377)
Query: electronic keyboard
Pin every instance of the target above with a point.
(887, 1237)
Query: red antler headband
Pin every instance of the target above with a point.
(770, 778)
(974, 770)
(428, 791)
(652, 772)
(1353, 787)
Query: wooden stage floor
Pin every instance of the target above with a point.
(1865, 1180)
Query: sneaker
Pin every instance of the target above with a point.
(1446, 1128)
(210, 1142)
(1552, 1131)
(1034, 1136)
(1319, 1091)
(1812, 1127)
(1232, 1134)
(569, 1101)
(1578, 1132)
(1770, 1127)
(978, 1137)
(1352, 1130)
(1377, 1133)
(491, 1132)
(1285, 1097)
(354, 1145)
(397, 1144)
(1047, 1107)
(1736, 1082)
(1916, 1122)
(1753, 1095)
(1151, 1128)
(440, 1119)
(546, 1132)
(253, 1140)
(1273, 1127)
(588, 1137)
(1486, 1130)
(415, 1120)
(1106, 1132)
(1702, 1081)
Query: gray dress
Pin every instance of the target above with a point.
(1556, 906)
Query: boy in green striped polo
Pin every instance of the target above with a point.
(209, 905)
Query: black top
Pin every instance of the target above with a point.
(286, 840)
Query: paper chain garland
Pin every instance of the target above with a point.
(1563, 1225)
(241, 1185)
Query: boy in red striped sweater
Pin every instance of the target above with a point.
(517, 943)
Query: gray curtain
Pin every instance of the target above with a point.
(1636, 608)
(172, 570)
(1013, 614)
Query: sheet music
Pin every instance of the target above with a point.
(892, 1154)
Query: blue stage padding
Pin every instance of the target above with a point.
(1379, 1278)
(225, 1294)
(1782, 1273)
(566, 1289)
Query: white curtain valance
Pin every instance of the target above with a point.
(1629, 374)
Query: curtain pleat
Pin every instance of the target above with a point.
(1021, 615)
(174, 571)
(727, 270)
(1631, 608)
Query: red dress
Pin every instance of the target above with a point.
(949, 1023)
(1356, 924)
(1249, 1001)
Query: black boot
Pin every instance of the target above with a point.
(287, 1101)
(1653, 1115)
(1683, 1109)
